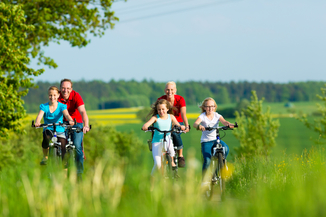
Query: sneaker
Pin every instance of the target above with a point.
(181, 162)
(44, 161)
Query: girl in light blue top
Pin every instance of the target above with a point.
(163, 121)
(52, 112)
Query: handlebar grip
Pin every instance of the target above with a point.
(236, 124)
(75, 121)
(90, 127)
(33, 125)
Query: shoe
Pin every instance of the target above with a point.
(181, 162)
(44, 161)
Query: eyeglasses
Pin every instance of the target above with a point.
(213, 106)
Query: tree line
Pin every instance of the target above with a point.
(119, 94)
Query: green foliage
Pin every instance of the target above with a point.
(126, 102)
(101, 141)
(26, 26)
(319, 125)
(257, 130)
(14, 73)
(142, 114)
(97, 93)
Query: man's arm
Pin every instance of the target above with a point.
(83, 113)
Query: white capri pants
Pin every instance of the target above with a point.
(157, 152)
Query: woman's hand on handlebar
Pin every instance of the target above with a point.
(72, 123)
(37, 124)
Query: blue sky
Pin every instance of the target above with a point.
(202, 40)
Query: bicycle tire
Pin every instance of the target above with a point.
(220, 173)
(209, 192)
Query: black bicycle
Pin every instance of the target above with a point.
(55, 152)
(70, 147)
(166, 159)
(217, 175)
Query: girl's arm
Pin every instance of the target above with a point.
(197, 125)
(68, 117)
(149, 123)
(176, 123)
(183, 112)
(39, 118)
(225, 123)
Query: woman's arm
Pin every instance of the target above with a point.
(176, 123)
(183, 112)
(39, 118)
(197, 124)
(68, 117)
(149, 123)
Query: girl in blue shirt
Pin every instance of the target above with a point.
(52, 112)
(163, 121)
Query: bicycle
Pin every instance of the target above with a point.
(218, 162)
(166, 160)
(55, 153)
(70, 147)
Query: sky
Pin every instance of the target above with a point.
(202, 40)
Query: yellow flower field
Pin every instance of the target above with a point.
(113, 116)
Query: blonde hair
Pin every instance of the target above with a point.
(53, 88)
(171, 83)
(204, 102)
(153, 111)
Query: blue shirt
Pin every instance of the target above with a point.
(55, 117)
(163, 125)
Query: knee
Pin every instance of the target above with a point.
(207, 162)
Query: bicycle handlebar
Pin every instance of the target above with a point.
(221, 128)
(65, 124)
(174, 129)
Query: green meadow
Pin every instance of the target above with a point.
(116, 181)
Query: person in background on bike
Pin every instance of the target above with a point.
(53, 112)
(162, 119)
(209, 118)
(76, 109)
(179, 110)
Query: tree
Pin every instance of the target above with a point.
(257, 130)
(25, 27)
(14, 73)
(319, 125)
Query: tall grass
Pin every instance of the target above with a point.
(291, 185)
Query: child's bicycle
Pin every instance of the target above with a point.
(166, 160)
(55, 153)
(218, 164)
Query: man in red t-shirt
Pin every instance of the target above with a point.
(76, 109)
(179, 111)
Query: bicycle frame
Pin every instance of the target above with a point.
(217, 163)
(166, 164)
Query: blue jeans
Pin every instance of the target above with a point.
(177, 139)
(77, 139)
(206, 148)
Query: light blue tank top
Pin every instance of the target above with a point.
(162, 125)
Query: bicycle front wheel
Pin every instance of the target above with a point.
(221, 175)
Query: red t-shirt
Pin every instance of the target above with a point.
(73, 103)
(179, 102)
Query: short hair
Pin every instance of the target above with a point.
(64, 80)
(171, 82)
(204, 102)
(53, 88)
